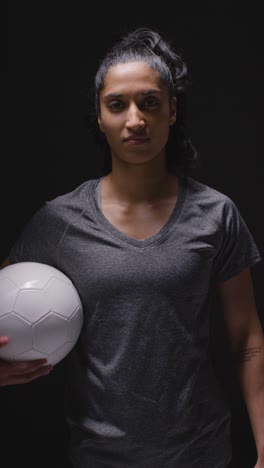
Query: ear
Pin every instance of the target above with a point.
(173, 103)
(99, 120)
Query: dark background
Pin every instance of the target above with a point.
(53, 53)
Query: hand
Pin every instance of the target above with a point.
(21, 372)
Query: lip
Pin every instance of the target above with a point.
(136, 140)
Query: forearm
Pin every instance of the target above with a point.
(250, 369)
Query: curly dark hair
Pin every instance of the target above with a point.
(147, 45)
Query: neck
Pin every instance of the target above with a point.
(134, 184)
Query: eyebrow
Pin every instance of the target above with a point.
(120, 95)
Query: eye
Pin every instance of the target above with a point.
(115, 106)
(151, 101)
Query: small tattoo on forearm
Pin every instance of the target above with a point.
(247, 354)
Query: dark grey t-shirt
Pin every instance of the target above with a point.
(142, 391)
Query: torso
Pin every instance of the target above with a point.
(143, 220)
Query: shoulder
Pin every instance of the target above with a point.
(75, 197)
(42, 234)
(213, 203)
(70, 203)
(202, 192)
(57, 212)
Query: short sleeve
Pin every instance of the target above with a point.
(237, 249)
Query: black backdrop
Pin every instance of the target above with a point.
(53, 52)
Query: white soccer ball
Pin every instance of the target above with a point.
(40, 312)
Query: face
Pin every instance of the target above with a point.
(135, 112)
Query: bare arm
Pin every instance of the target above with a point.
(12, 372)
(246, 338)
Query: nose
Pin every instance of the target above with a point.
(134, 118)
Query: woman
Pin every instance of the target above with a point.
(145, 245)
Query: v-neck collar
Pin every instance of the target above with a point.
(141, 243)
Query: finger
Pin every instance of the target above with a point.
(20, 367)
(3, 340)
(18, 370)
(26, 366)
(13, 379)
